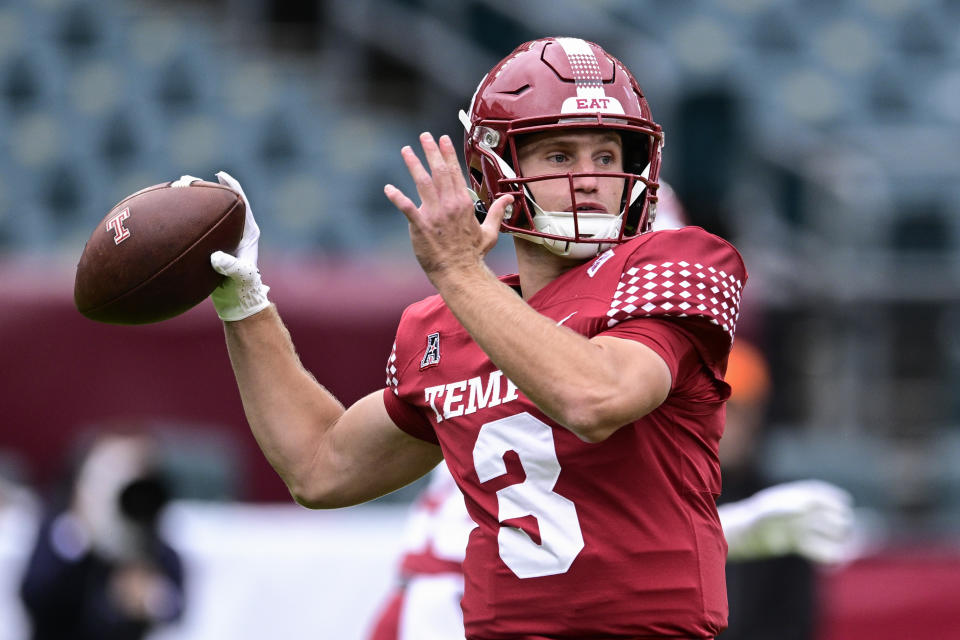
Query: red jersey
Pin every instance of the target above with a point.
(616, 539)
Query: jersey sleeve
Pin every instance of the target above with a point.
(679, 349)
(690, 277)
(400, 405)
(666, 340)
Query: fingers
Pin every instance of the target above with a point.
(401, 201)
(421, 178)
(444, 174)
(184, 181)
(449, 165)
(223, 263)
(248, 247)
(490, 228)
(443, 178)
(228, 180)
(496, 213)
(435, 160)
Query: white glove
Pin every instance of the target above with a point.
(808, 517)
(242, 294)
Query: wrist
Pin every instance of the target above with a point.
(452, 276)
(249, 321)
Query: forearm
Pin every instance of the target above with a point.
(565, 374)
(289, 412)
(591, 386)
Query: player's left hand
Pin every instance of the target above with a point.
(445, 233)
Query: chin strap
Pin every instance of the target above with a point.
(639, 186)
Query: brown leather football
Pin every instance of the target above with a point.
(149, 258)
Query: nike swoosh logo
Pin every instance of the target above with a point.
(567, 318)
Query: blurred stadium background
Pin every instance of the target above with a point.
(820, 136)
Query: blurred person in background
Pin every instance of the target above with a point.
(19, 514)
(99, 568)
(582, 396)
(425, 603)
(778, 535)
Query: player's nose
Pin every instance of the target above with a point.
(585, 182)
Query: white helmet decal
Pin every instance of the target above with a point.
(591, 97)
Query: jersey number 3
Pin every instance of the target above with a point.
(560, 536)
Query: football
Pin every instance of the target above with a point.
(149, 258)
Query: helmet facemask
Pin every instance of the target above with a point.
(579, 232)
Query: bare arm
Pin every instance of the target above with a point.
(592, 387)
(328, 456)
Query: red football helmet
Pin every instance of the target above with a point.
(557, 84)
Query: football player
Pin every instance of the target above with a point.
(578, 403)
(811, 519)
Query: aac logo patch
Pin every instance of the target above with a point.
(431, 356)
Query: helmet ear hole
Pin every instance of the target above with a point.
(476, 175)
(636, 151)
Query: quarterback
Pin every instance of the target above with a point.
(578, 404)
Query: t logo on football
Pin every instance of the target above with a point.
(115, 224)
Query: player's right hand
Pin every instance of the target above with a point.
(248, 249)
(243, 293)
